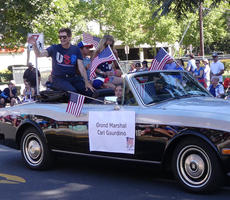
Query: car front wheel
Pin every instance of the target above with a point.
(35, 151)
(196, 167)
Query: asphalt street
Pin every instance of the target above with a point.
(90, 178)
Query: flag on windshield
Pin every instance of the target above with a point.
(160, 60)
(89, 39)
(105, 56)
(75, 104)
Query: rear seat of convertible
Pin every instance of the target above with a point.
(54, 95)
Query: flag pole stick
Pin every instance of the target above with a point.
(87, 97)
(37, 82)
(116, 60)
(90, 97)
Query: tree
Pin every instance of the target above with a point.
(61, 13)
(215, 22)
(131, 21)
(180, 7)
(16, 17)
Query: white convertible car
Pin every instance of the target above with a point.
(178, 125)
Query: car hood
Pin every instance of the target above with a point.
(202, 112)
(199, 104)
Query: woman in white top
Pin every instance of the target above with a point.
(191, 66)
(206, 71)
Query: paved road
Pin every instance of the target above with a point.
(89, 178)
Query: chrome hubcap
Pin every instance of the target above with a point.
(193, 166)
(32, 149)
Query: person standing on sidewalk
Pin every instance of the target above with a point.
(191, 66)
(199, 74)
(217, 68)
(30, 76)
(206, 71)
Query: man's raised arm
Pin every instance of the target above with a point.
(43, 53)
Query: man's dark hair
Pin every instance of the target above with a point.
(67, 30)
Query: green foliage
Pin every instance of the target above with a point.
(180, 8)
(16, 18)
(216, 28)
(221, 45)
(226, 64)
(61, 13)
(129, 21)
(6, 76)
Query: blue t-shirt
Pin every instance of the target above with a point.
(197, 73)
(6, 93)
(64, 60)
(171, 66)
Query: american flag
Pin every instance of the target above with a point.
(89, 39)
(160, 60)
(130, 143)
(146, 89)
(105, 56)
(75, 104)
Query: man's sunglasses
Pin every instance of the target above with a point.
(64, 37)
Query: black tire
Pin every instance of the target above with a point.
(196, 166)
(34, 150)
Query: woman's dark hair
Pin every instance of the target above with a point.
(145, 63)
(138, 65)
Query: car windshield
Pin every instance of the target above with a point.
(153, 87)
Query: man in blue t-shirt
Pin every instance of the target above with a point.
(65, 58)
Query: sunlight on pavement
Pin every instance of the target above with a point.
(11, 179)
(59, 192)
